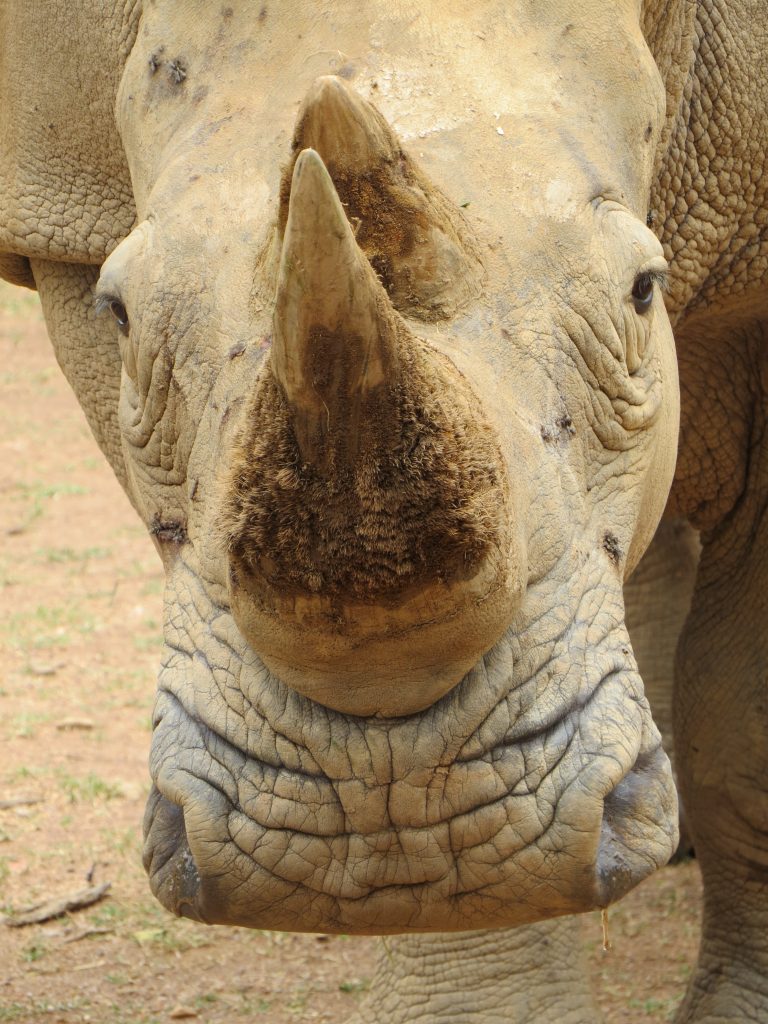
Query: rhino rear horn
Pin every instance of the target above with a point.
(415, 239)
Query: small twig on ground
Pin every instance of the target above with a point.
(56, 907)
(182, 1013)
(38, 669)
(86, 933)
(19, 801)
(89, 967)
(75, 723)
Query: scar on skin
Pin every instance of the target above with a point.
(169, 531)
(176, 71)
(564, 429)
(611, 545)
(155, 60)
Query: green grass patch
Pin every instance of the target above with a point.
(62, 556)
(33, 952)
(354, 985)
(108, 915)
(14, 1011)
(146, 643)
(47, 626)
(655, 1007)
(37, 495)
(88, 789)
(17, 301)
(24, 725)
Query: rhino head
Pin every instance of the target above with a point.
(399, 410)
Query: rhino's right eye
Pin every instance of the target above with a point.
(642, 293)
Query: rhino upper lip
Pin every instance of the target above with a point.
(175, 872)
(324, 787)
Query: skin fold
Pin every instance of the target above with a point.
(365, 311)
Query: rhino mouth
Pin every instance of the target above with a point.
(517, 827)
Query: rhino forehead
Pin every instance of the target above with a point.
(501, 80)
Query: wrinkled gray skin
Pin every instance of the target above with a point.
(493, 762)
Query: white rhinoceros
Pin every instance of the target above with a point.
(390, 380)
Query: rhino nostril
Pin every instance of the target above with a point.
(167, 857)
(624, 855)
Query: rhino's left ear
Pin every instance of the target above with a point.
(65, 190)
(415, 238)
(16, 270)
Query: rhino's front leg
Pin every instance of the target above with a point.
(721, 700)
(529, 975)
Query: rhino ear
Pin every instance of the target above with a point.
(413, 236)
(334, 330)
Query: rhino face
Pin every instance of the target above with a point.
(400, 415)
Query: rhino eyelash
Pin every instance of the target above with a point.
(643, 288)
(659, 277)
(654, 275)
(101, 304)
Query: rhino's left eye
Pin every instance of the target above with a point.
(642, 292)
(116, 308)
(120, 313)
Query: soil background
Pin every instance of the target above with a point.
(80, 622)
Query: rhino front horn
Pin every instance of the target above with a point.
(373, 554)
(335, 336)
(414, 237)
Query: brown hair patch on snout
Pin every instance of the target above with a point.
(408, 493)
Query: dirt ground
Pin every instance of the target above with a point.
(80, 610)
